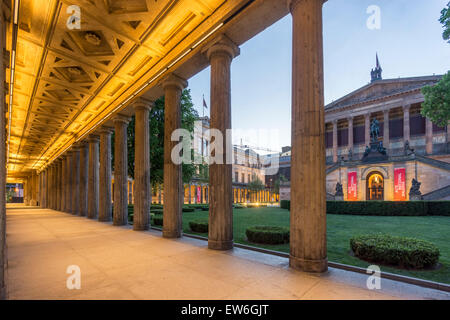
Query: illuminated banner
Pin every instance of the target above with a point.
(399, 184)
(198, 194)
(352, 191)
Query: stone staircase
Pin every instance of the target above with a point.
(437, 194)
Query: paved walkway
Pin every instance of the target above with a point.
(119, 263)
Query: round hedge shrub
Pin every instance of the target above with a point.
(205, 209)
(396, 251)
(200, 226)
(158, 219)
(267, 234)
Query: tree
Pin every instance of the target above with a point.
(445, 20)
(278, 182)
(255, 184)
(156, 124)
(436, 104)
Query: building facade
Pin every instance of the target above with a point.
(415, 147)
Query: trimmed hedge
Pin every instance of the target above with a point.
(188, 209)
(158, 219)
(256, 205)
(285, 204)
(156, 211)
(238, 206)
(385, 208)
(267, 234)
(200, 226)
(397, 251)
(205, 209)
(156, 206)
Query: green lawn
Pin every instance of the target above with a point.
(340, 228)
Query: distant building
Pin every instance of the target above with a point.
(415, 147)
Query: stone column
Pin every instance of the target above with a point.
(220, 235)
(69, 182)
(141, 215)
(120, 171)
(93, 177)
(173, 186)
(406, 128)
(350, 133)
(105, 205)
(53, 186)
(386, 142)
(366, 126)
(308, 248)
(189, 193)
(84, 178)
(75, 180)
(59, 184)
(63, 183)
(47, 188)
(34, 199)
(428, 136)
(335, 141)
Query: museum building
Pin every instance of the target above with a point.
(377, 142)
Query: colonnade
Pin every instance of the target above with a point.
(78, 182)
(386, 139)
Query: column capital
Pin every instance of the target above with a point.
(386, 111)
(367, 115)
(291, 4)
(121, 118)
(105, 130)
(222, 45)
(172, 80)
(142, 103)
(93, 138)
(406, 107)
(334, 121)
(350, 119)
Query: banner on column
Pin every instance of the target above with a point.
(198, 194)
(352, 190)
(399, 184)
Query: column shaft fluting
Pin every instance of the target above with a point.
(173, 186)
(76, 181)
(69, 182)
(141, 214)
(308, 250)
(93, 187)
(386, 142)
(120, 171)
(220, 234)
(84, 174)
(105, 205)
(335, 141)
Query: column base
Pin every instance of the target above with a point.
(118, 224)
(171, 234)
(104, 219)
(140, 228)
(220, 245)
(316, 266)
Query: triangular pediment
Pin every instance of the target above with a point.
(382, 88)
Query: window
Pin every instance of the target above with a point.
(243, 178)
(236, 177)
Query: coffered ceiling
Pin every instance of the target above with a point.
(66, 77)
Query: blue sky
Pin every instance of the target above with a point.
(409, 43)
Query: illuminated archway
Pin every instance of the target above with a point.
(375, 186)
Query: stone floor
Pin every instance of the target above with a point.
(118, 263)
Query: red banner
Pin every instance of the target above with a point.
(399, 184)
(352, 190)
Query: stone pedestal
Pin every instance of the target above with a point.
(120, 171)
(173, 187)
(220, 235)
(308, 249)
(105, 205)
(93, 187)
(141, 214)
